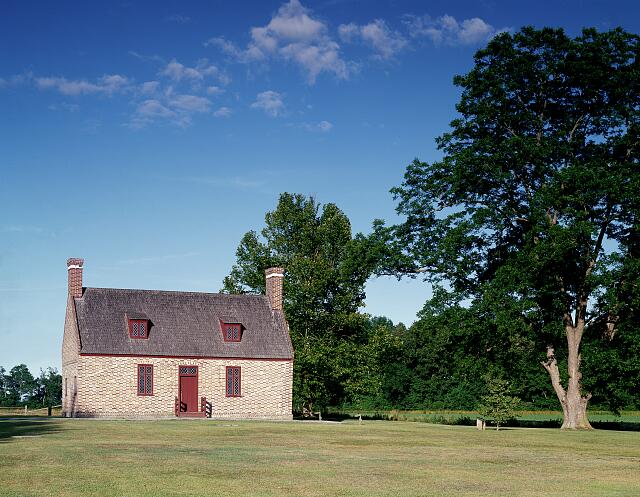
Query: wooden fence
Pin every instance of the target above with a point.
(27, 411)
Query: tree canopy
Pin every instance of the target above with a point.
(534, 207)
(326, 270)
(18, 387)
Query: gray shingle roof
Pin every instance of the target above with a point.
(181, 324)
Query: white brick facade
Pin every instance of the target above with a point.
(107, 386)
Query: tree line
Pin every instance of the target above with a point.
(18, 387)
(527, 228)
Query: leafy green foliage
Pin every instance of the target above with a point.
(498, 405)
(326, 270)
(533, 213)
(19, 387)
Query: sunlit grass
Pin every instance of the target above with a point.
(56, 457)
(448, 416)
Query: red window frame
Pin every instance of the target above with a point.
(231, 332)
(135, 325)
(233, 381)
(145, 373)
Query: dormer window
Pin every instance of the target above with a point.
(231, 332)
(138, 328)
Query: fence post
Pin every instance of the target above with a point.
(48, 410)
(25, 410)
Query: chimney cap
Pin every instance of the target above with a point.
(75, 263)
(274, 271)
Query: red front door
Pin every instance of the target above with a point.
(188, 389)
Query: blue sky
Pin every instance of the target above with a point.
(147, 137)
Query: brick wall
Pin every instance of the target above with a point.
(70, 358)
(107, 386)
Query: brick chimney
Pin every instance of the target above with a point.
(274, 279)
(74, 268)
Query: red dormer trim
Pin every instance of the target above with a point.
(231, 332)
(138, 328)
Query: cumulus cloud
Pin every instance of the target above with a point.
(214, 90)
(176, 71)
(324, 126)
(271, 102)
(107, 85)
(449, 31)
(292, 35)
(385, 42)
(149, 87)
(222, 112)
(149, 111)
(175, 109)
(153, 108)
(190, 103)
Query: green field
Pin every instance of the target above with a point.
(628, 420)
(49, 457)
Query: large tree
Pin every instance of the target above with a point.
(20, 385)
(326, 270)
(536, 201)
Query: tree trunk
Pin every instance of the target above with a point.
(575, 415)
(574, 404)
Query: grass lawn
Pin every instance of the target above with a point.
(629, 420)
(56, 457)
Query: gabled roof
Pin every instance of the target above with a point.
(181, 324)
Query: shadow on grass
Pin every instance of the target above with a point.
(26, 427)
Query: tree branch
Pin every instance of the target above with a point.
(575, 126)
(551, 365)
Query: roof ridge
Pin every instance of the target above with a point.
(178, 292)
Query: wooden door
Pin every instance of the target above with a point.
(189, 389)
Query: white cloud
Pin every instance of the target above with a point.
(177, 72)
(447, 30)
(271, 102)
(225, 46)
(153, 109)
(149, 111)
(64, 106)
(291, 35)
(190, 103)
(146, 58)
(107, 85)
(377, 35)
(324, 126)
(149, 87)
(175, 109)
(16, 79)
(223, 112)
(320, 127)
(214, 90)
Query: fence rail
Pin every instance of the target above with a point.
(28, 411)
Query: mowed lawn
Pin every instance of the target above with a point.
(58, 457)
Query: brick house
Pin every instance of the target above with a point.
(136, 353)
